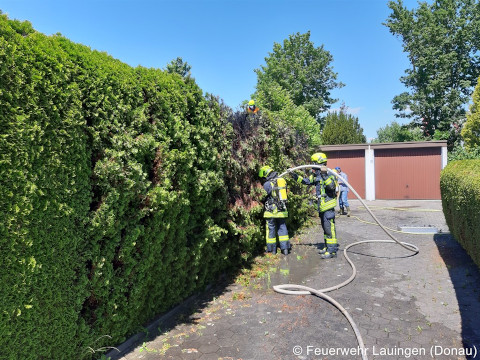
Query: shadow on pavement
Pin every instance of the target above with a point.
(184, 313)
(465, 277)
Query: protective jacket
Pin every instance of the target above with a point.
(274, 207)
(325, 187)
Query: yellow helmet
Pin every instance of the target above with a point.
(264, 171)
(251, 103)
(319, 158)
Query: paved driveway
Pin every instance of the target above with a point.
(406, 307)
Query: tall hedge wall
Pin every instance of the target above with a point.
(123, 191)
(44, 196)
(460, 188)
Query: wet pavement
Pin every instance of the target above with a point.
(406, 307)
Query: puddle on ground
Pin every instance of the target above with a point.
(294, 268)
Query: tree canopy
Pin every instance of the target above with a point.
(303, 70)
(178, 66)
(277, 102)
(342, 128)
(471, 129)
(395, 132)
(442, 41)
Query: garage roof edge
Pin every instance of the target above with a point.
(393, 145)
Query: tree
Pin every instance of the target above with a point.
(471, 129)
(442, 41)
(342, 128)
(395, 132)
(303, 70)
(277, 101)
(179, 67)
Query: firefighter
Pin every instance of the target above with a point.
(343, 195)
(275, 210)
(252, 108)
(325, 186)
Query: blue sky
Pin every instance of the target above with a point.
(225, 40)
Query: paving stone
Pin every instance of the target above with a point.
(211, 356)
(208, 348)
(228, 352)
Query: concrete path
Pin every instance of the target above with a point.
(425, 306)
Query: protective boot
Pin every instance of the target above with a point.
(328, 255)
(341, 211)
(285, 251)
(348, 211)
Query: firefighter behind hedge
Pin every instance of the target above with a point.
(325, 186)
(252, 108)
(275, 210)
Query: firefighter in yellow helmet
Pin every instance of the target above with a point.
(252, 108)
(275, 210)
(325, 185)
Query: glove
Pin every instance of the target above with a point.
(323, 169)
(294, 175)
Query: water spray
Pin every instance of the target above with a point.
(291, 289)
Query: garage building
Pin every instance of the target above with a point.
(407, 170)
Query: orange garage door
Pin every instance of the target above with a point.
(352, 162)
(408, 173)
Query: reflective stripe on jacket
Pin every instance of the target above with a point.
(326, 201)
(271, 208)
(325, 185)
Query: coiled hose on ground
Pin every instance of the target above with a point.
(291, 289)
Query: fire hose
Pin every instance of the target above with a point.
(292, 289)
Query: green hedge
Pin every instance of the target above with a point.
(123, 191)
(44, 196)
(460, 187)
